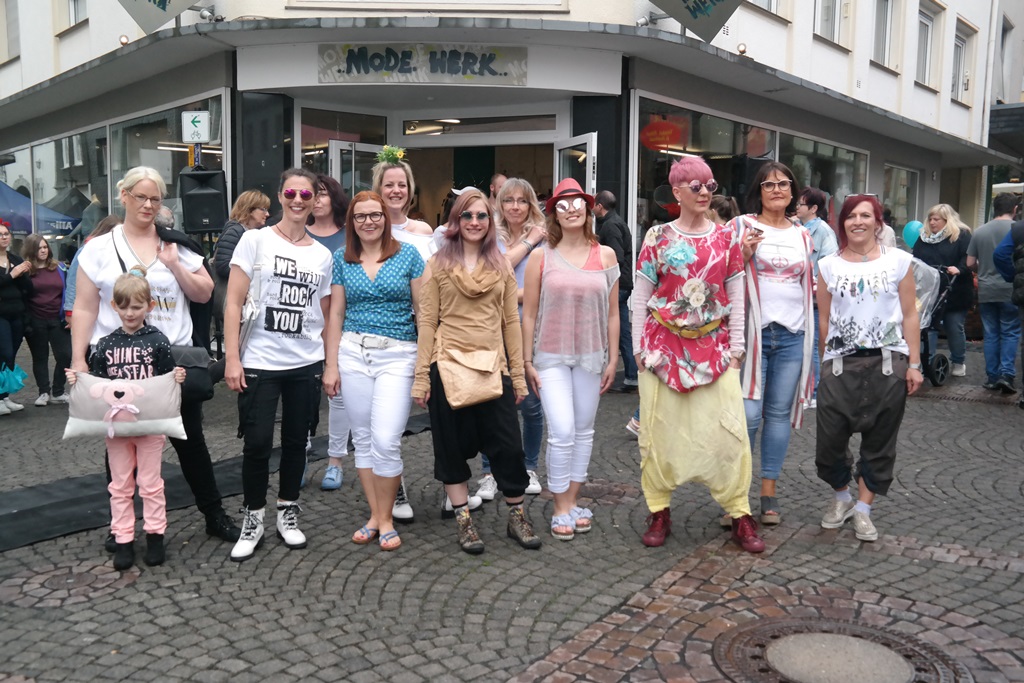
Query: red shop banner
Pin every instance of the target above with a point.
(661, 134)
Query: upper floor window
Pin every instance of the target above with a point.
(961, 76)
(10, 34)
(828, 19)
(770, 5)
(925, 37)
(77, 11)
(884, 16)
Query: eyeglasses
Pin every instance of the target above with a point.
(142, 199)
(373, 217)
(513, 201)
(305, 195)
(574, 204)
(770, 185)
(469, 215)
(260, 208)
(695, 186)
(799, 204)
(323, 193)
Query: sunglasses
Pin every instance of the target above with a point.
(304, 195)
(770, 185)
(574, 204)
(363, 217)
(696, 185)
(469, 215)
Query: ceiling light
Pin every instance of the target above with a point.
(449, 121)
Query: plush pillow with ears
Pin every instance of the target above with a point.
(115, 407)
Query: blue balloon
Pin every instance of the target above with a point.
(911, 231)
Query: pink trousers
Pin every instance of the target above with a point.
(128, 455)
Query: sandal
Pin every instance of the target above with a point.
(390, 541)
(364, 536)
(582, 517)
(770, 513)
(559, 521)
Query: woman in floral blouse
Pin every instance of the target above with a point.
(688, 325)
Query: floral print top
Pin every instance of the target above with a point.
(689, 272)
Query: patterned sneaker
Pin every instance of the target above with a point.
(288, 525)
(837, 513)
(402, 510)
(469, 539)
(534, 488)
(488, 487)
(863, 528)
(520, 529)
(252, 535)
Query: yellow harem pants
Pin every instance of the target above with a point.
(697, 436)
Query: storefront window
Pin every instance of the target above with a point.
(71, 185)
(834, 170)
(900, 196)
(16, 193)
(155, 140)
(733, 150)
(320, 127)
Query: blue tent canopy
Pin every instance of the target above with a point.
(16, 209)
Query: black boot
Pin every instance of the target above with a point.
(124, 556)
(110, 545)
(155, 554)
(220, 525)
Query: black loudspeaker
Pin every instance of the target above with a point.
(204, 200)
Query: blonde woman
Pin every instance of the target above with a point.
(943, 244)
(520, 226)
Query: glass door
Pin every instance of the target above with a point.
(577, 158)
(351, 164)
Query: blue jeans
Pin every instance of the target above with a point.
(1002, 335)
(782, 355)
(533, 431)
(953, 324)
(626, 337)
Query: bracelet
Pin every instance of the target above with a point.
(529, 245)
(527, 362)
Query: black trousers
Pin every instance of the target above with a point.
(491, 427)
(862, 400)
(257, 409)
(42, 336)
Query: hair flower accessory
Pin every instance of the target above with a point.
(4, 223)
(391, 155)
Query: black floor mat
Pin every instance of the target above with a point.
(39, 513)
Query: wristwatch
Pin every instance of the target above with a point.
(914, 366)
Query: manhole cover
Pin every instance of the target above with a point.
(63, 585)
(814, 650)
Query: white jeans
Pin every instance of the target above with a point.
(338, 426)
(377, 386)
(570, 397)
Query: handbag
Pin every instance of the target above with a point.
(198, 385)
(469, 377)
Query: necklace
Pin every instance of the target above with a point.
(863, 254)
(287, 237)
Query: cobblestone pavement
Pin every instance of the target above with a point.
(948, 569)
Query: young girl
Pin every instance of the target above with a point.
(132, 300)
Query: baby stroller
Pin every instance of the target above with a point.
(932, 288)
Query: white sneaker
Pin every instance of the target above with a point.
(488, 487)
(4, 410)
(63, 398)
(863, 527)
(43, 400)
(448, 512)
(959, 370)
(534, 488)
(837, 513)
(633, 426)
(288, 525)
(11, 406)
(252, 535)
(402, 510)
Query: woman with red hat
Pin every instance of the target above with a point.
(570, 344)
(688, 325)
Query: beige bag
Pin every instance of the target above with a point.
(469, 377)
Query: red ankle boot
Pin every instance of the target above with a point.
(744, 532)
(660, 526)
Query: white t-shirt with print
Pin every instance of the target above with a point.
(781, 262)
(866, 311)
(98, 260)
(293, 279)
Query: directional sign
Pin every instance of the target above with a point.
(152, 14)
(195, 127)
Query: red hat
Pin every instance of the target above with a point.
(568, 188)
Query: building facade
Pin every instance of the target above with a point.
(889, 97)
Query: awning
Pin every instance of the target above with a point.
(16, 209)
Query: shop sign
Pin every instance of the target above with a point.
(152, 14)
(660, 134)
(434, 63)
(704, 17)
